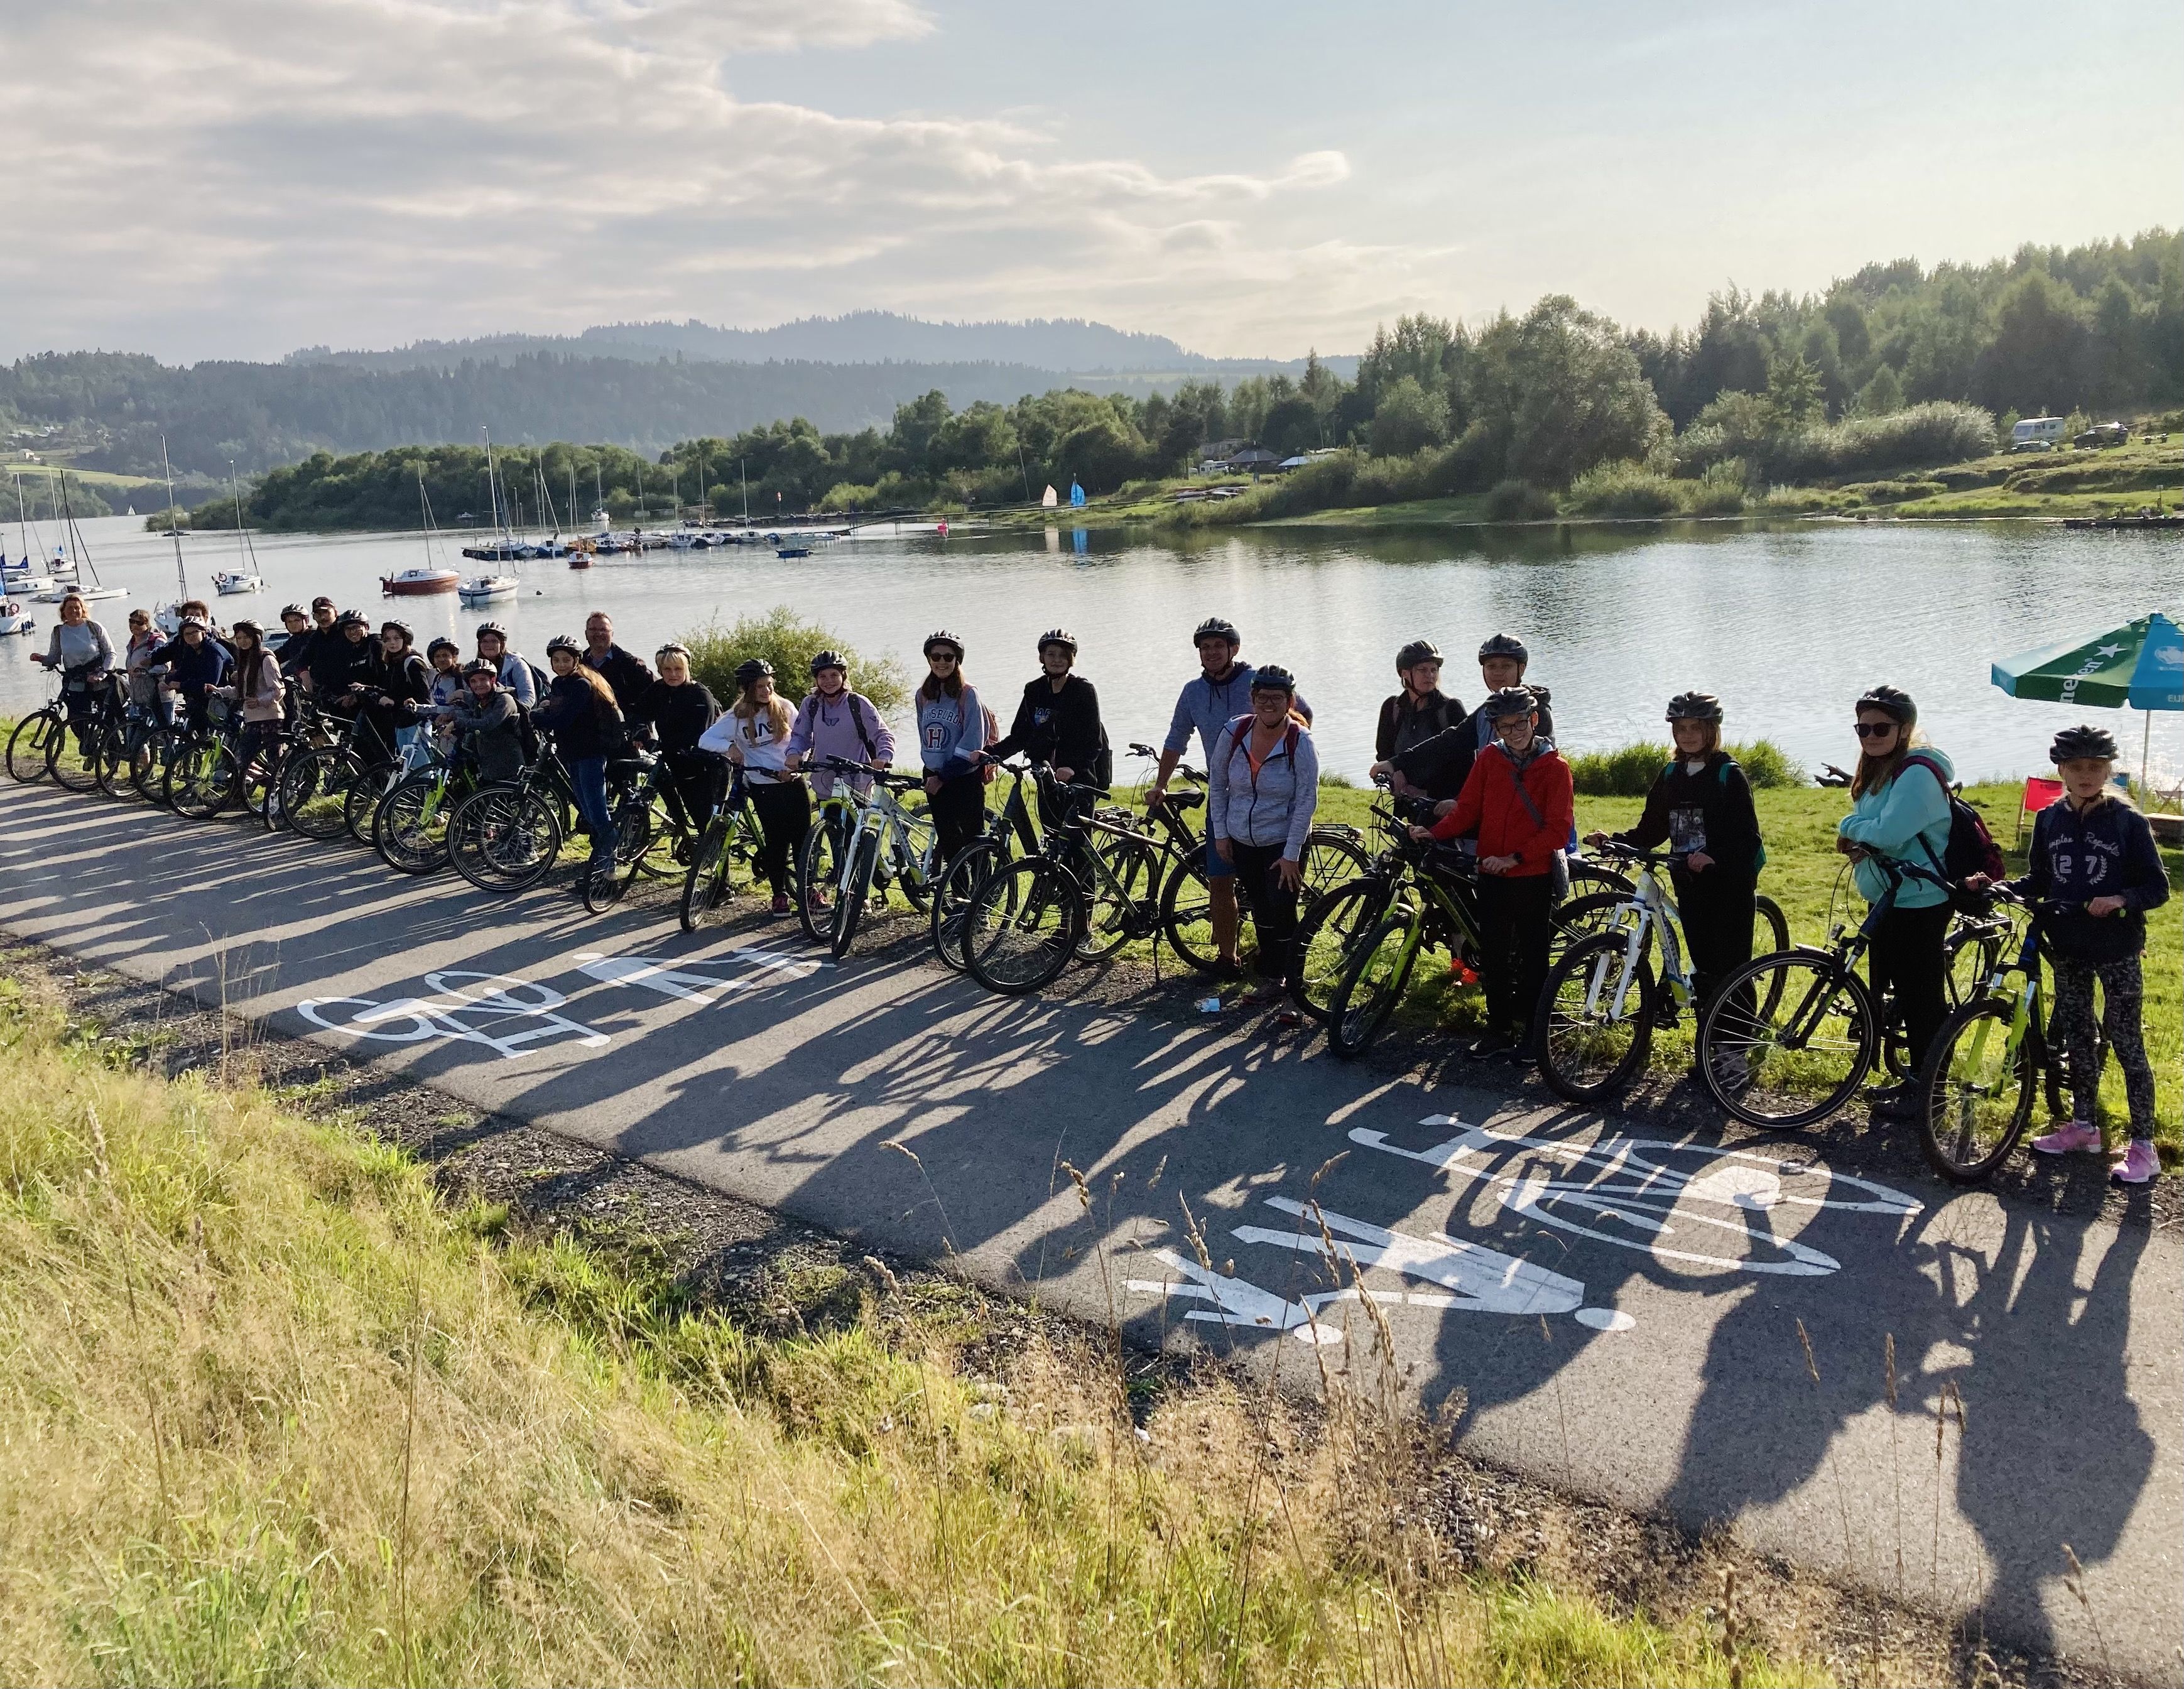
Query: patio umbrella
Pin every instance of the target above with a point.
(2140, 664)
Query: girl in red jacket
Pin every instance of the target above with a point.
(1520, 798)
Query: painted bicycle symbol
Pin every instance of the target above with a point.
(1717, 1213)
(512, 1017)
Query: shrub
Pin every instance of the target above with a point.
(1630, 771)
(1739, 424)
(789, 643)
(1519, 501)
(1624, 489)
(1718, 493)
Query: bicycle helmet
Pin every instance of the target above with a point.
(2091, 743)
(1695, 707)
(1217, 628)
(442, 643)
(190, 621)
(829, 659)
(494, 629)
(1891, 702)
(1510, 700)
(289, 609)
(480, 665)
(1058, 636)
(1418, 651)
(562, 642)
(941, 636)
(673, 648)
(1272, 677)
(391, 626)
(244, 625)
(353, 618)
(1504, 645)
(753, 669)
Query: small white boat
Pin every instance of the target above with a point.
(232, 583)
(415, 583)
(54, 594)
(17, 584)
(14, 619)
(487, 588)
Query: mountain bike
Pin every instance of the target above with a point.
(1989, 1061)
(1789, 1037)
(885, 842)
(1604, 998)
(409, 825)
(315, 781)
(724, 865)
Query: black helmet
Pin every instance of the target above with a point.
(353, 618)
(494, 629)
(1217, 628)
(1509, 700)
(480, 665)
(1418, 651)
(2095, 743)
(1892, 701)
(941, 636)
(443, 643)
(1504, 645)
(829, 659)
(1695, 707)
(1273, 678)
(1058, 636)
(753, 668)
(289, 609)
(401, 627)
(190, 621)
(562, 642)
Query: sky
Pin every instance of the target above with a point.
(237, 178)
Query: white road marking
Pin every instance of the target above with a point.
(463, 1014)
(678, 976)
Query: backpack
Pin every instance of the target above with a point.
(991, 771)
(1971, 849)
(1102, 772)
(1721, 774)
(1236, 738)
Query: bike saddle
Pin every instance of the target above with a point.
(1184, 801)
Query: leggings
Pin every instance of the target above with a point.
(2122, 986)
(588, 775)
(1906, 958)
(785, 812)
(1514, 915)
(1273, 907)
(959, 813)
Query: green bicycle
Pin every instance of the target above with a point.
(724, 865)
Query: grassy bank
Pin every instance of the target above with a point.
(275, 1412)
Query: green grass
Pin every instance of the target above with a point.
(274, 1412)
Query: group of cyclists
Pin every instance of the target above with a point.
(1478, 798)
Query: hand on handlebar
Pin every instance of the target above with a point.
(1597, 840)
(2102, 906)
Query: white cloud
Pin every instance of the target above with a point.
(234, 177)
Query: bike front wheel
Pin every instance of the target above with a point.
(1327, 938)
(1373, 985)
(1022, 926)
(1975, 1096)
(203, 779)
(854, 895)
(30, 747)
(504, 840)
(1787, 1040)
(314, 791)
(1598, 1010)
(819, 875)
(410, 830)
(951, 898)
(75, 757)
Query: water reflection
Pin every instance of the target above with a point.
(1787, 624)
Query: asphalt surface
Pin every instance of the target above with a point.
(1667, 1323)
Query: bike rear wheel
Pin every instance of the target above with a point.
(1975, 1096)
(410, 830)
(1326, 937)
(1373, 985)
(314, 791)
(1022, 926)
(30, 747)
(114, 769)
(1111, 909)
(361, 805)
(1187, 911)
(951, 898)
(75, 757)
(1598, 1010)
(1787, 1040)
(504, 839)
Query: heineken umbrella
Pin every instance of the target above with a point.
(2140, 664)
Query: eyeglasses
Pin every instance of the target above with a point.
(1874, 730)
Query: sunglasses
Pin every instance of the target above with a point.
(1874, 730)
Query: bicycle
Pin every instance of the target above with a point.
(507, 835)
(960, 881)
(1821, 1034)
(409, 827)
(1603, 999)
(72, 754)
(648, 832)
(725, 863)
(31, 746)
(886, 843)
(315, 781)
(204, 774)
(1976, 1091)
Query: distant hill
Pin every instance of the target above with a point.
(1057, 346)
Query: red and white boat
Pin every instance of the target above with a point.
(415, 582)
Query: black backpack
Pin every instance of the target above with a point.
(1971, 849)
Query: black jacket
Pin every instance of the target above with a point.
(2107, 851)
(677, 715)
(583, 724)
(626, 674)
(191, 671)
(1440, 766)
(1061, 728)
(1401, 726)
(1710, 810)
(335, 664)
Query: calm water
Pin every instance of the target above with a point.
(1788, 626)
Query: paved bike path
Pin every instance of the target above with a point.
(1620, 1309)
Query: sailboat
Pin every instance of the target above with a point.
(66, 579)
(480, 588)
(14, 618)
(167, 617)
(247, 579)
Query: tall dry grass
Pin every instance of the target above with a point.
(271, 1411)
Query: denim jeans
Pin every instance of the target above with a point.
(588, 775)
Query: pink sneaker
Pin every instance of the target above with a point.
(2137, 1165)
(2074, 1138)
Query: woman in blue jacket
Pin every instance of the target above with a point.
(1900, 811)
(952, 733)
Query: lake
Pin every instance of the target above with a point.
(1788, 624)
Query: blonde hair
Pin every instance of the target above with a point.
(781, 718)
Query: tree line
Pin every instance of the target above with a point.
(1778, 387)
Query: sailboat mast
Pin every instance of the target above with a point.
(241, 544)
(82, 551)
(492, 489)
(174, 529)
(743, 470)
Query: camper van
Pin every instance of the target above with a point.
(2038, 434)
